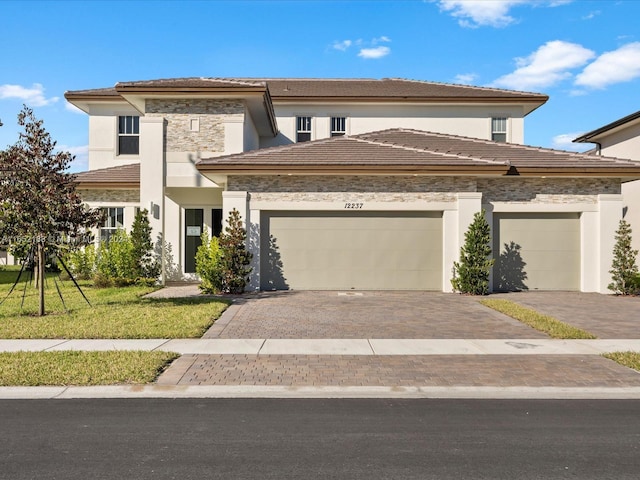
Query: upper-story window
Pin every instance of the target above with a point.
(499, 129)
(338, 126)
(303, 129)
(114, 219)
(128, 135)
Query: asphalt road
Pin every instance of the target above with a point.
(319, 439)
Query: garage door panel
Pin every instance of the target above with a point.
(345, 250)
(547, 251)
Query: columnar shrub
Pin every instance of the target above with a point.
(471, 274)
(147, 265)
(235, 258)
(208, 264)
(624, 270)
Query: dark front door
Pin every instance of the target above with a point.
(193, 229)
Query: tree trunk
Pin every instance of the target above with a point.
(41, 278)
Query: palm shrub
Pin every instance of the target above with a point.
(208, 264)
(471, 274)
(235, 258)
(624, 270)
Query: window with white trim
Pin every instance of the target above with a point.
(499, 129)
(338, 126)
(114, 219)
(303, 129)
(128, 135)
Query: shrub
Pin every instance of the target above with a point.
(147, 265)
(115, 259)
(471, 274)
(235, 258)
(208, 264)
(82, 262)
(624, 270)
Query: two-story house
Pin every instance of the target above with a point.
(621, 138)
(351, 183)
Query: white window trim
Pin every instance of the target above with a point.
(507, 123)
(295, 125)
(116, 140)
(347, 121)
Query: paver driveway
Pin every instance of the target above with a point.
(322, 314)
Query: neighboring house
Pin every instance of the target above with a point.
(352, 183)
(621, 139)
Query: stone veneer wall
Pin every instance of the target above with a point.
(115, 196)
(352, 188)
(409, 188)
(178, 136)
(546, 190)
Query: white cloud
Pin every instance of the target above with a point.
(591, 15)
(621, 65)
(383, 38)
(472, 13)
(548, 65)
(343, 45)
(491, 13)
(377, 52)
(81, 162)
(564, 141)
(466, 78)
(33, 96)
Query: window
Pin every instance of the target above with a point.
(338, 126)
(113, 221)
(216, 218)
(499, 129)
(303, 129)
(128, 135)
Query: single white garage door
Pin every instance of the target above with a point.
(536, 251)
(351, 250)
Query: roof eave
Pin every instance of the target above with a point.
(287, 169)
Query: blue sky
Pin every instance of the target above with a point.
(584, 54)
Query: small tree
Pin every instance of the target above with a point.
(208, 264)
(40, 210)
(146, 263)
(624, 270)
(471, 274)
(235, 258)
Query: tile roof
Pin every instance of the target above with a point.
(121, 176)
(398, 150)
(586, 138)
(299, 88)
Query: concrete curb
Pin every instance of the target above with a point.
(156, 391)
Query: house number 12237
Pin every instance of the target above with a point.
(354, 205)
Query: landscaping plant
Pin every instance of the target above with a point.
(41, 212)
(208, 265)
(624, 269)
(235, 258)
(147, 265)
(471, 274)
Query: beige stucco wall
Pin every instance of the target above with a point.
(103, 135)
(471, 121)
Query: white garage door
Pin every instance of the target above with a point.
(351, 250)
(536, 251)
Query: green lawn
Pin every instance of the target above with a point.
(543, 323)
(115, 312)
(82, 368)
(628, 359)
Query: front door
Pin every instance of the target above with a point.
(193, 221)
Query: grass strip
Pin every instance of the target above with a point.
(62, 368)
(543, 323)
(627, 359)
